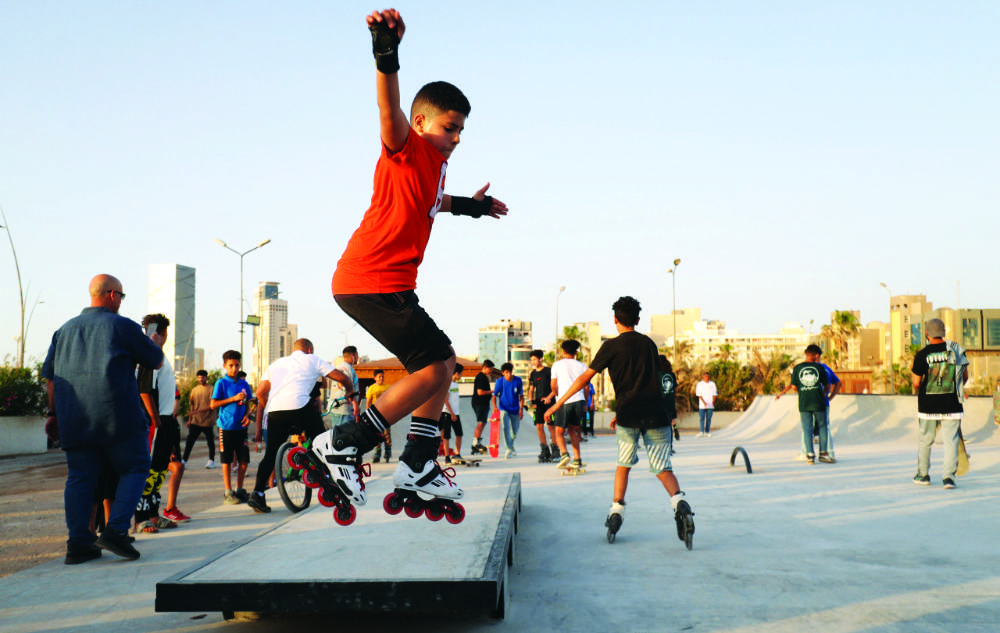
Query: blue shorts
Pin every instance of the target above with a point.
(657, 442)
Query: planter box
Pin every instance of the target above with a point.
(22, 435)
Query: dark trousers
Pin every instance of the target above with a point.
(193, 432)
(281, 424)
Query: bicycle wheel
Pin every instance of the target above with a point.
(294, 494)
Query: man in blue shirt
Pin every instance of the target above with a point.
(510, 391)
(93, 397)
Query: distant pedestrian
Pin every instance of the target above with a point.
(231, 398)
(668, 386)
(451, 420)
(574, 411)
(342, 408)
(832, 389)
(508, 398)
(89, 374)
(707, 392)
(481, 394)
(201, 418)
(940, 371)
(810, 380)
(540, 396)
(371, 397)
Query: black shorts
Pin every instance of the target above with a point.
(447, 423)
(166, 444)
(482, 412)
(397, 321)
(233, 444)
(540, 409)
(571, 414)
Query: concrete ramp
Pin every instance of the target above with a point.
(855, 419)
(381, 563)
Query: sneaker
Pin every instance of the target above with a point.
(577, 463)
(949, 483)
(117, 544)
(922, 480)
(447, 458)
(242, 495)
(376, 458)
(176, 515)
(210, 464)
(77, 553)
(563, 461)
(506, 455)
(430, 480)
(259, 503)
(231, 499)
(700, 434)
(810, 459)
(827, 458)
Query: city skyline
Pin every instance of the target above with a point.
(792, 156)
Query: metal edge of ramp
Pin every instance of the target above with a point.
(486, 595)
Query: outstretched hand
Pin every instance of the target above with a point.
(497, 209)
(391, 18)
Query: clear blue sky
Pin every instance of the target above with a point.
(792, 154)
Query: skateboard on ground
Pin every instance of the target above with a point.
(570, 469)
(466, 461)
(963, 456)
(495, 434)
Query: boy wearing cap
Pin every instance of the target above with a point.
(939, 373)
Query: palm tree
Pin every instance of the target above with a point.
(767, 372)
(573, 333)
(725, 352)
(843, 328)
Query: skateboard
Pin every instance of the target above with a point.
(462, 461)
(495, 434)
(570, 469)
(963, 456)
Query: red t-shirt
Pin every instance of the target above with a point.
(383, 254)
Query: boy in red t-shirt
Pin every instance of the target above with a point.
(376, 276)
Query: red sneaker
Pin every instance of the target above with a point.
(175, 515)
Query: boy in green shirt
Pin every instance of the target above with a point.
(810, 381)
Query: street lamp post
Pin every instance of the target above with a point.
(242, 255)
(20, 289)
(556, 344)
(892, 371)
(673, 310)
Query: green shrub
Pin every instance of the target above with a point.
(22, 391)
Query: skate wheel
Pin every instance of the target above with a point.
(434, 513)
(345, 515)
(392, 503)
(311, 479)
(611, 536)
(296, 457)
(412, 508)
(326, 501)
(456, 515)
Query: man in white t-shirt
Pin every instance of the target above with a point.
(284, 397)
(574, 411)
(342, 410)
(706, 392)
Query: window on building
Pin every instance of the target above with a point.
(992, 331)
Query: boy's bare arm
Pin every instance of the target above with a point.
(578, 384)
(387, 31)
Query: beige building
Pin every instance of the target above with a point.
(273, 336)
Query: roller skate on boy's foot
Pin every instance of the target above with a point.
(545, 456)
(423, 487)
(684, 518)
(478, 448)
(614, 520)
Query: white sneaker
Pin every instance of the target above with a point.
(210, 464)
(348, 476)
(700, 434)
(439, 482)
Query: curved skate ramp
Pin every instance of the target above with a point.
(858, 419)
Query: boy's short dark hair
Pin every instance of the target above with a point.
(350, 349)
(459, 368)
(537, 353)
(231, 354)
(507, 367)
(627, 311)
(161, 321)
(202, 372)
(813, 348)
(241, 374)
(488, 363)
(378, 372)
(570, 346)
(438, 97)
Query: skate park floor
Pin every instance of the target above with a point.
(846, 548)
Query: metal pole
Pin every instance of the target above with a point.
(556, 344)
(241, 255)
(673, 283)
(20, 289)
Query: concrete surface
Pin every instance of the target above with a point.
(845, 548)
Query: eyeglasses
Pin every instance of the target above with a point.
(118, 292)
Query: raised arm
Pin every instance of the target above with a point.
(387, 31)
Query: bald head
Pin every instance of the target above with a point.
(303, 345)
(106, 292)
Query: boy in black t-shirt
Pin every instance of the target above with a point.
(810, 380)
(482, 393)
(540, 396)
(939, 373)
(632, 361)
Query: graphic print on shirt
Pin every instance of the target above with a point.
(440, 193)
(940, 373)
(809, 378)
(668, 384)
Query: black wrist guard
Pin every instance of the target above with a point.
(385, 47)
(461, 205)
